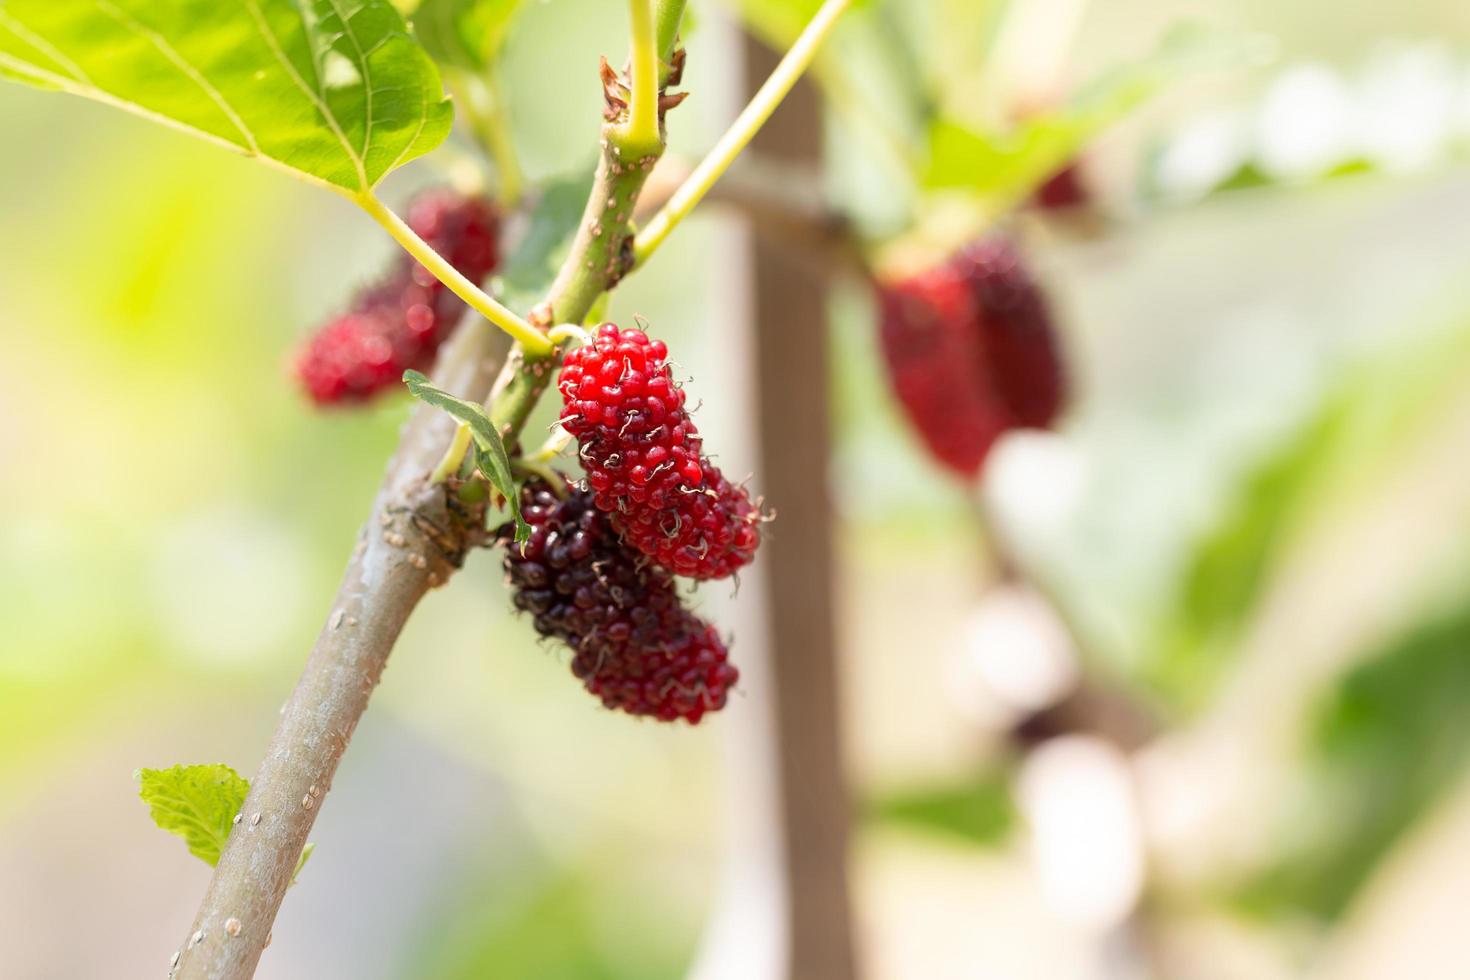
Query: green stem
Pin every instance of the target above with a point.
(519, 387)
(528, 336)
(642, 129)
(740, 133)
(453, 456)
(667, 15)
(599, 258)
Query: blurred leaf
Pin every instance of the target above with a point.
(779, 22)
(1005, 167)
(464, 33)
(977, 810)
(198, 803)
(555, 930)
(491, 456)
(334, 100)
(1385, 745)
(1341, 448)
(528, 273)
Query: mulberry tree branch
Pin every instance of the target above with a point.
(416, 537)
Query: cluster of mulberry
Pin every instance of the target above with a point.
(972, 353)
(634, 645)
(398, 323)
(644, 462)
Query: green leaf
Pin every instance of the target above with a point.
(336, 92)
(1385, 746)
(1347, 445)
(490, 456)
(198, 803)
(1005, 166)
(527, 275)
(306, 853)
(977, 810)
(464, 33)
(779, 22)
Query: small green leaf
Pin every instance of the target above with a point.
(529, 272)
(464, 33)
(338, 94)
(1004, 167)
(306, 853)
(490, 456)
(198, 803)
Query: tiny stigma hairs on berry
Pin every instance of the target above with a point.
(398, 323)
(634, 645)
(643, 458)
(971, 352)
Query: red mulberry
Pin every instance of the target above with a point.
(400, 322)
(634, 645)
(971, 353)
(643, 459)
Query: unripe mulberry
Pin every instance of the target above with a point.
(644, 462)
(399, 322)
(634, 645)
(971, 352)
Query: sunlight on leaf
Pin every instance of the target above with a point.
(198, 803)
(464, 33)
(335, 93)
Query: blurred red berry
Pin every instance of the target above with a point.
(642, 455)
(399, 322)
(1063, 190)
(971, 352)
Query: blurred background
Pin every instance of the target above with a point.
(1178, 690)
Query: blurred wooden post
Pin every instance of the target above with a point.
(789, 307)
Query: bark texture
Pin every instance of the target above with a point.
(417, 535)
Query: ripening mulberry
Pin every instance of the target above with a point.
(643, 458)
(634, 645)
(971, 352)
(399, 322)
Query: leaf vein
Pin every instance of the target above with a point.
(280, 55)
(44, 46)
(185, 66)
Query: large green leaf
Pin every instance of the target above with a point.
(1004, 166)
(464, 33)
(335, 91)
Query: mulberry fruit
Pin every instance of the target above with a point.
(399, 322)
(971, 352)
(643, 460)
(634, 645)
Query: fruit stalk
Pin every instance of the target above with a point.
(743, 130)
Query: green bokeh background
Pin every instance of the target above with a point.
(1271, 536)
